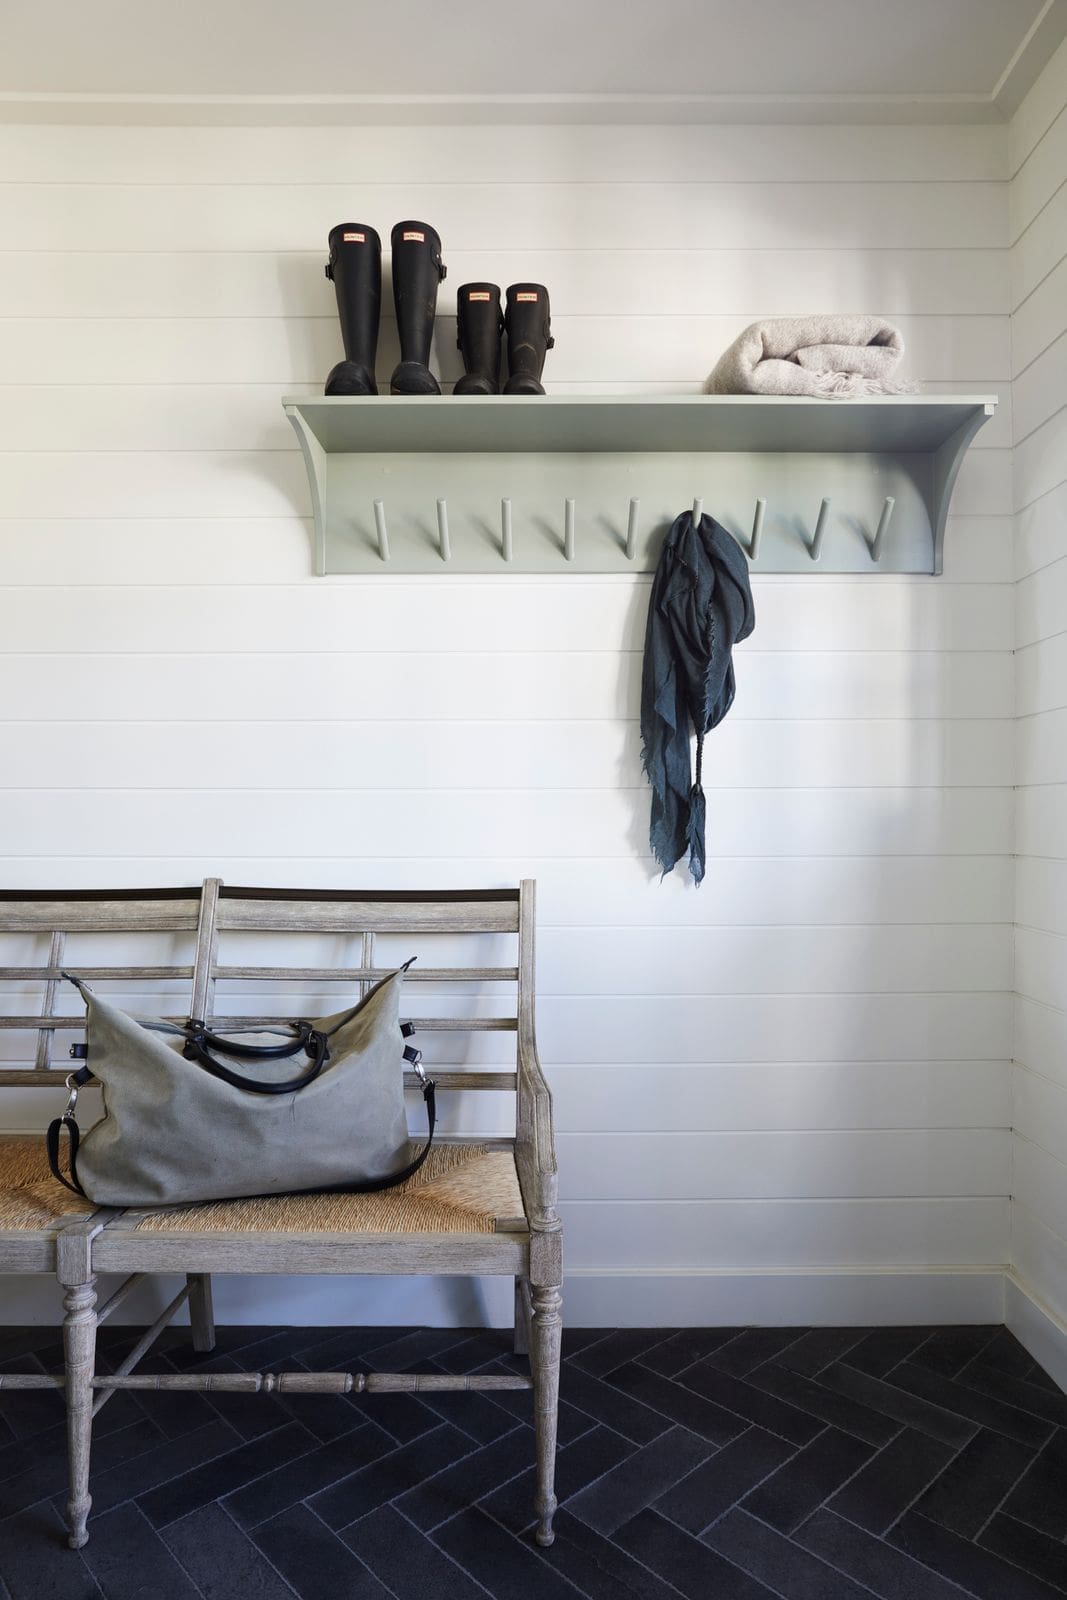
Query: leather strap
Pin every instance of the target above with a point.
(51, 1140)
(197, 1038)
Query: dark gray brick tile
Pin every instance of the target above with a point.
(307, 1474)
(886, 1571)
(518, 1403)
(1027, 1547)
(477, 1350)
(732, 1472)
(1040, 1496)
(1006, 1354)
(253, 1459)
(577, 1339)
(752, 1348)
(883, 1348)
(580, 1464)
(390, 1475)
(963, 1401)
(468, 1410)
(691, 1567)
(212, 1550)
(251, 1414)
(682, 1405)
(975, 1482)
(173, 1412)
(436, 1498)
(599, 1568)
(127, 1557)
(405, 1560)
(1022, 1393)
(949, 1350)
(755, 1405)
(628, 1344)
(29, 1411)
(837, 1410)
(507, 1567)
(425, 1344)
(628, 1488)
(43, 1475)
(619, 1405)
(881, 1491)
(403, 1416)
(799, 1487)
(783, 1566)
(35, 1562)
(819, 1348)
(679, 1351)
(315, 1562)
(978, 1571)
(129, 1478)
(885, 1396)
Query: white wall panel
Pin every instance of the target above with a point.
(830, 1014)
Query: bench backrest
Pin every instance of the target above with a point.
(215, 939)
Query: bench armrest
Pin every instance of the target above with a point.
(535, 1146)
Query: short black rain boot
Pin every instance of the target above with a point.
(355, 266)
(417, 271)
(479, 323)
(528, 327)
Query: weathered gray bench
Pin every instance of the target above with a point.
(485, 1206)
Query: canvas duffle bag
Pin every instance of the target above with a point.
(181, 1125)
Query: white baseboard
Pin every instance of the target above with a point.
(1037, 1327)
(603, 1299)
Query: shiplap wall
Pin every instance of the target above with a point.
(1038, 197)
(784, 1097)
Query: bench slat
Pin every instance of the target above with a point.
(379, 916)
(450, 1078)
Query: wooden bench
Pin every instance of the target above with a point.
(478, 1206)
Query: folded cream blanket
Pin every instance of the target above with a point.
(824, 356)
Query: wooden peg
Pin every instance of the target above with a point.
(815, 548)
(631, 531)
(757, 530)
(698, 512)
(883, 524)
(443, 541)
(506, 549)
(383, 536)
(568, 531)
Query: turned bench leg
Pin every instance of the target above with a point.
(546, 1329)
(201, 1310)
(79, 1347)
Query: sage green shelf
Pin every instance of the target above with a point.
(572, 466)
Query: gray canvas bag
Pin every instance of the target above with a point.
(324, 1109)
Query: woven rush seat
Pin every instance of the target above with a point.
(460, 1188)
(30, 1198)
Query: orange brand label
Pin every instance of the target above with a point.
(353, 238)
(414, 238)
(526, 297)
(479, 294)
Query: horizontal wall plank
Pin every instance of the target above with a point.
(1041, 531)
(301, 349)
(1041, 751)
(1039, 109)
(470, 216)
(370, 156)
(1039, 1257)
(786, 1234)
(608, 893)
(563, 614)
(1038, 393)
(1040, 1184)
(1041, 604)
(1039, 1109)
(1042, 894)
(1040, 1037)
(1040, 460)
(776, 822)
(1039, 821)
(516, 754)
(1041, 967)
(1041, 676)
(1039, 318)
(775, 281)
(1040, 175)
(795, 1165)
(1037, 251)
(556, 685)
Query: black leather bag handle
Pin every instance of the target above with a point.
(198, 1037)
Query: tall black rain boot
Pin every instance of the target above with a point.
(417, 271)
(528, 327)
(479, 323)
(355, 266)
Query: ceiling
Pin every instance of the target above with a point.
(608, 60)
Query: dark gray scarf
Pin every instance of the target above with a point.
(700, 605)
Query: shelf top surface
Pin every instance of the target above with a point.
(631, 423)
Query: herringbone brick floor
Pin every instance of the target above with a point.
(717, 1464)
